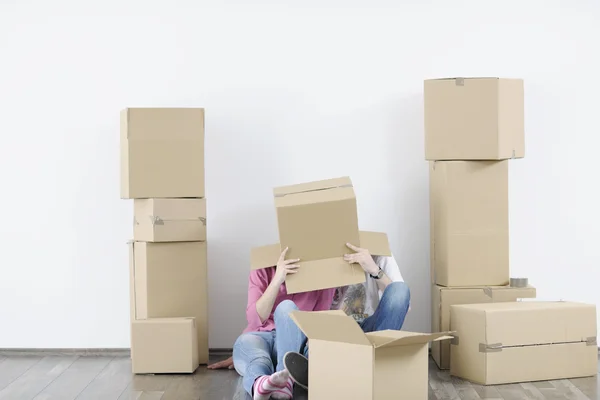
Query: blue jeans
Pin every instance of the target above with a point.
(391, 311)
(261, 353)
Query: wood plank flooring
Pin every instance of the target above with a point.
(109, 378)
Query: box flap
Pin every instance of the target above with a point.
(312, 186)
(330, 327)
(390, 338)
(376, 242)
(264, 256)
(324, 274)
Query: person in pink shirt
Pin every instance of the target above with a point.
(271, 333)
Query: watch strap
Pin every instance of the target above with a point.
(379, 274)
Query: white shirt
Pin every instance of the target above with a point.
(360, 301)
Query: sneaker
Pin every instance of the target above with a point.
(297, 365)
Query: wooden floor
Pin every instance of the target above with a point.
(110, 378)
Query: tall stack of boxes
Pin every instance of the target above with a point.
(162, 170)
(473, 127)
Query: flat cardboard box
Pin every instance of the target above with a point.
(164, 346)
(474, 119)
(169, 220)
(170, 280)
(346, 363)
(162, 153)
(469, 210)
(326, 273)
(499, 343)
(444, 297)
(317, 219)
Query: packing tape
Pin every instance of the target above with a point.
(519, 282)
(348, 185)
(488, 292)
(460, 81)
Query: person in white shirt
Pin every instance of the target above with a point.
(380, 303)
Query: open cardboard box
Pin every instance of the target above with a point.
(345, 362)
(325, 273)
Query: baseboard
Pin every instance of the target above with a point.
(86, 352)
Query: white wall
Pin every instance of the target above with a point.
(293, 93)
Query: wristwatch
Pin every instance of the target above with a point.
(379, 274)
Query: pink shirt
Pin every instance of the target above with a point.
(319, 300)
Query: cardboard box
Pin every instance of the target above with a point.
(317, 219)
(444, 297)
(170, 280)
(322, 274)
(469, 209)
(500, 343)
(164, 345)
(349, 364)
(169, 220)
(474, 119)
(162, 153)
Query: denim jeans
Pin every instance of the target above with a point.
(391, 311)
(261, 353)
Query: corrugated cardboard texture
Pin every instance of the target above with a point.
(474, 119)
(349, 364)
(523, 341)
(443, 298)
(322, 274)
(469, 209)
(317, 219)
(162, 153)
(166, 345)
(170, 280)
(169, 220)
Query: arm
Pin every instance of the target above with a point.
(264, 305)
(262, 293)
(391, 272)
(257, 285)
(364, 258)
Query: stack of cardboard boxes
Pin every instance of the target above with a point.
(473, 127)
(315, 222)
(162, 170)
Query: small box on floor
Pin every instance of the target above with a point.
(170, 280)
(169, 220)
(444, 297)
(346, 363)
(499, 343)
(164, 345)
(162, 153)
(474, 119)
(469, 208)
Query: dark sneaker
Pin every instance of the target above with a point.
(297, 365)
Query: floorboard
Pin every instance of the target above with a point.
(36, 378)
(110, 378)
(12, 368)
(110, 383)
(75, 379)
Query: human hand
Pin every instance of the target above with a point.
(228, 363)
(285, 267)
(363, 258)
